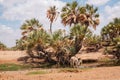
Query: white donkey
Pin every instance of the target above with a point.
(75, 62)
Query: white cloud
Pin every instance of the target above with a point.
(97, 2)
(1, 1)
(113, 11)
(8, 35)
(27, 9)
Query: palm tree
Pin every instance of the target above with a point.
(112, 31)
(39, 36)
(35, 39)
(30, 26)
(52, 15)
(74, 14)
(70, 14)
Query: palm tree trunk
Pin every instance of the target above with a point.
(51, 27)
(77, 44)
(78, 41)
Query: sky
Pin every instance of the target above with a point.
(14, 12)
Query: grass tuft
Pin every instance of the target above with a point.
(74, 70)
(13, 67)
(69, 70)
(37, 72)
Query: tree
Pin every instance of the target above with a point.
(74, 14)
(29, 26)
(2, 46)
(34, 38)
(52, 15)
(111, 34)
(112, 30)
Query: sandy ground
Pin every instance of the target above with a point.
(101, 73)
(11, 56)
(104, 73)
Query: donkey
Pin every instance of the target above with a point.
(75, 62)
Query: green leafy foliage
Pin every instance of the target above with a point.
(92, 40)
(111, 35)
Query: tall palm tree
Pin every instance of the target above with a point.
(72, 13)
(52, 15)
(87, 16)
(69, 14)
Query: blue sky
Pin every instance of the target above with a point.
(14, 12)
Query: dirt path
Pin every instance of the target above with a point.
(103, 73)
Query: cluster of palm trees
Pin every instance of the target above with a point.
(38, 42)
(36, 39)
(111, 35)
